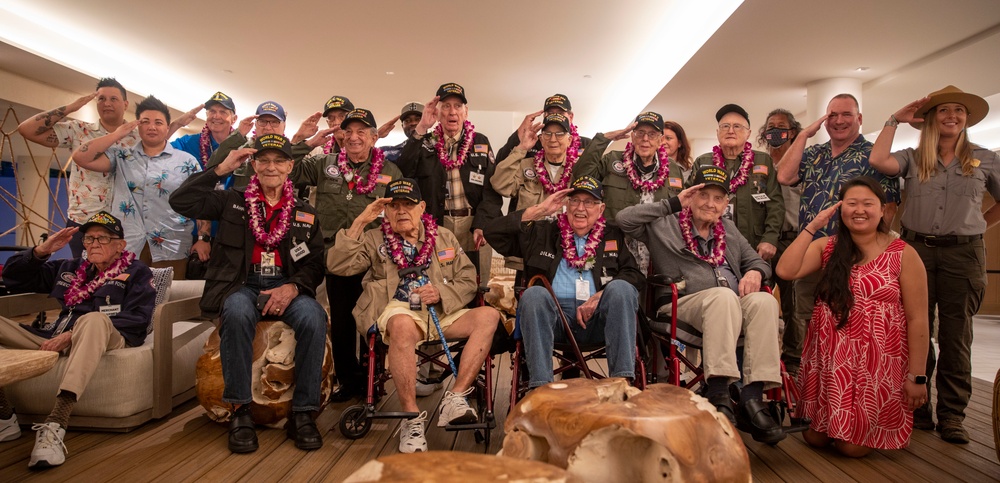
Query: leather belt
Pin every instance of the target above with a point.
(939, 240)
(465, 212)
(276, 269)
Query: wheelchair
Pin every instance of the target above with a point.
(673, 335)
(571, 356)
(356, 421)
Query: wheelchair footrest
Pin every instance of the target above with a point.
(465, 427)
(797, 425)
(393, 415)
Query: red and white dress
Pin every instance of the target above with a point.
(852, 378)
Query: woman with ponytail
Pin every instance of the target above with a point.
(866, 346)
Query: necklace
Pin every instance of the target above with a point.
(205, 145)
(744, 172)
(395, 243)
(718, 254)
(572, 155)
(468, 132)
(638, 183)
(78, 292)
(362, 186)
(268, 240)
(587, 260)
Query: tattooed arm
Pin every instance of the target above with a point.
(90, 155)
(38, 129)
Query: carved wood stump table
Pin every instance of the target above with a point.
(19, 364)
(456, 467)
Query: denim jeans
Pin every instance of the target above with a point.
(613, 323)
(238, 323)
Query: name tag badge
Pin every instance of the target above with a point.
(111, 310)
(477, 178)
(299, 251)
(582, 290)
(729, 212)
(760, 197)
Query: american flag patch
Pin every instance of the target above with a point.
(760, 169)
(482, 148)
(123, 277)
(446, 254)
(676, 183)
(611, 246)
(383, 179)
(304, 217)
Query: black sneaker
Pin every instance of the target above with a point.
(922, 418)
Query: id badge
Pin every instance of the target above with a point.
(477, 178)
(267, 264)
(760, 197)
(723, 282)
(299, 251)
(728, 213)
(111, 310)
(582, 290)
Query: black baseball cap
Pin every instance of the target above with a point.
(337, 102)
(451, 89)
(404, 189)
(732, 108)
(104, 220)
(712, 175)
(363, 115)
(271, 108)
(651, 118)
(221, 99)
(558, 100)
(589, 185)
(557, 118)
(273, 141)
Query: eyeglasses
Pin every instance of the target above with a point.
(267, 122)
(550, 135)
(651, 135)
(103, 239)
(268, 162)
(585, 203)
(735, 127)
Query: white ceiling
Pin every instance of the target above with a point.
(511, 55)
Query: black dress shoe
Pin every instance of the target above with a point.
(242, 435)
(724, 405)
(301, 428)
(755, 418)
(345, 393)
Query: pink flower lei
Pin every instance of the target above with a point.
(78, 292)
(572, 155)
(718, 254)
(269, 240)
(395, 243)
(368, 185)
(205, 144)
(588, 259)
(468, 132)
(638, 183)
(744, 172)
(328, 147)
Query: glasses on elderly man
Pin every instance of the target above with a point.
(260, 121)
(585, 203)
(725, 127)
(267, 162)
(651, 135)
(103, 239)
(550, 135)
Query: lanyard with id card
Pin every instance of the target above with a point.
(582, 289)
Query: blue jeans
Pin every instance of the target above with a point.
(238, 323)
(613, 323)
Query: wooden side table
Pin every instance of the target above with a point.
(20, 364)
(996, 414)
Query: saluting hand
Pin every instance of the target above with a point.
(309, 127)
(688, 194)
(55, 241)
(189, 116)
(246, 125)
(125, 129)
(234, 160)
(528, 135)
(551, 205)
(909, 111)
(82, 101)
(621, 133)
(823, 218)
(321, 137)
(813, 128)
(367, 216)
(429, 116)
(387, 128)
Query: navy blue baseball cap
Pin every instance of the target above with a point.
(271, 108)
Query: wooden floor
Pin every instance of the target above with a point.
(187, 446)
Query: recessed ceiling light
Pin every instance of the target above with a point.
(861, 69)
(389, 72)
(586, 76)
(227, 71)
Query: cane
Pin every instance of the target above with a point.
(437, 323)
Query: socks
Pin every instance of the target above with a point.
(6, 410)
(754, 390)
(718, 388)
(64, 406)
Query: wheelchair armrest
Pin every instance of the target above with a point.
(661, 280)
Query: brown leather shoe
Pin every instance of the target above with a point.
(952, 431)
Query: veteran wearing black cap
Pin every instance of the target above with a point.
(591, 270)
(409, 117)
(721, 298)
(346, 182)
(554, 104)
(220, 115)
(107, 304)
(452, 163)
(269, 244)
(395, 299)
(756, 204)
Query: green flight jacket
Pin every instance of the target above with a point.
(757, 221)
(609, 169)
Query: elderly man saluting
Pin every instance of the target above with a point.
(592, 272)
(107, 304)
(722, 296)
(411, 265)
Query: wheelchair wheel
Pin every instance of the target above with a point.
(354, 422)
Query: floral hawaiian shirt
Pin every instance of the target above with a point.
(88, 190)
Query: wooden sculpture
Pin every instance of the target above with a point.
(456, 467)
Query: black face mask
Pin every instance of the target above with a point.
(777, 136)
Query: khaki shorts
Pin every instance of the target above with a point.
(421, 318)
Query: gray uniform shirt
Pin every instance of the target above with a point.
(949, 203)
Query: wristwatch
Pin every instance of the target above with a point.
(916, 379)
(205, 238)
(892, 122)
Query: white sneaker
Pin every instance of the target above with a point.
(49, 448)
(411, 434)
(455, 409)
(9, 430)
(424, 389)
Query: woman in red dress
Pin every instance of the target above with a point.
(863, 365)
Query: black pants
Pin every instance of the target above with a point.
(343, 293)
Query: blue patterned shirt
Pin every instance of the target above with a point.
(141, 189)
(821, 177)
(564, 282)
